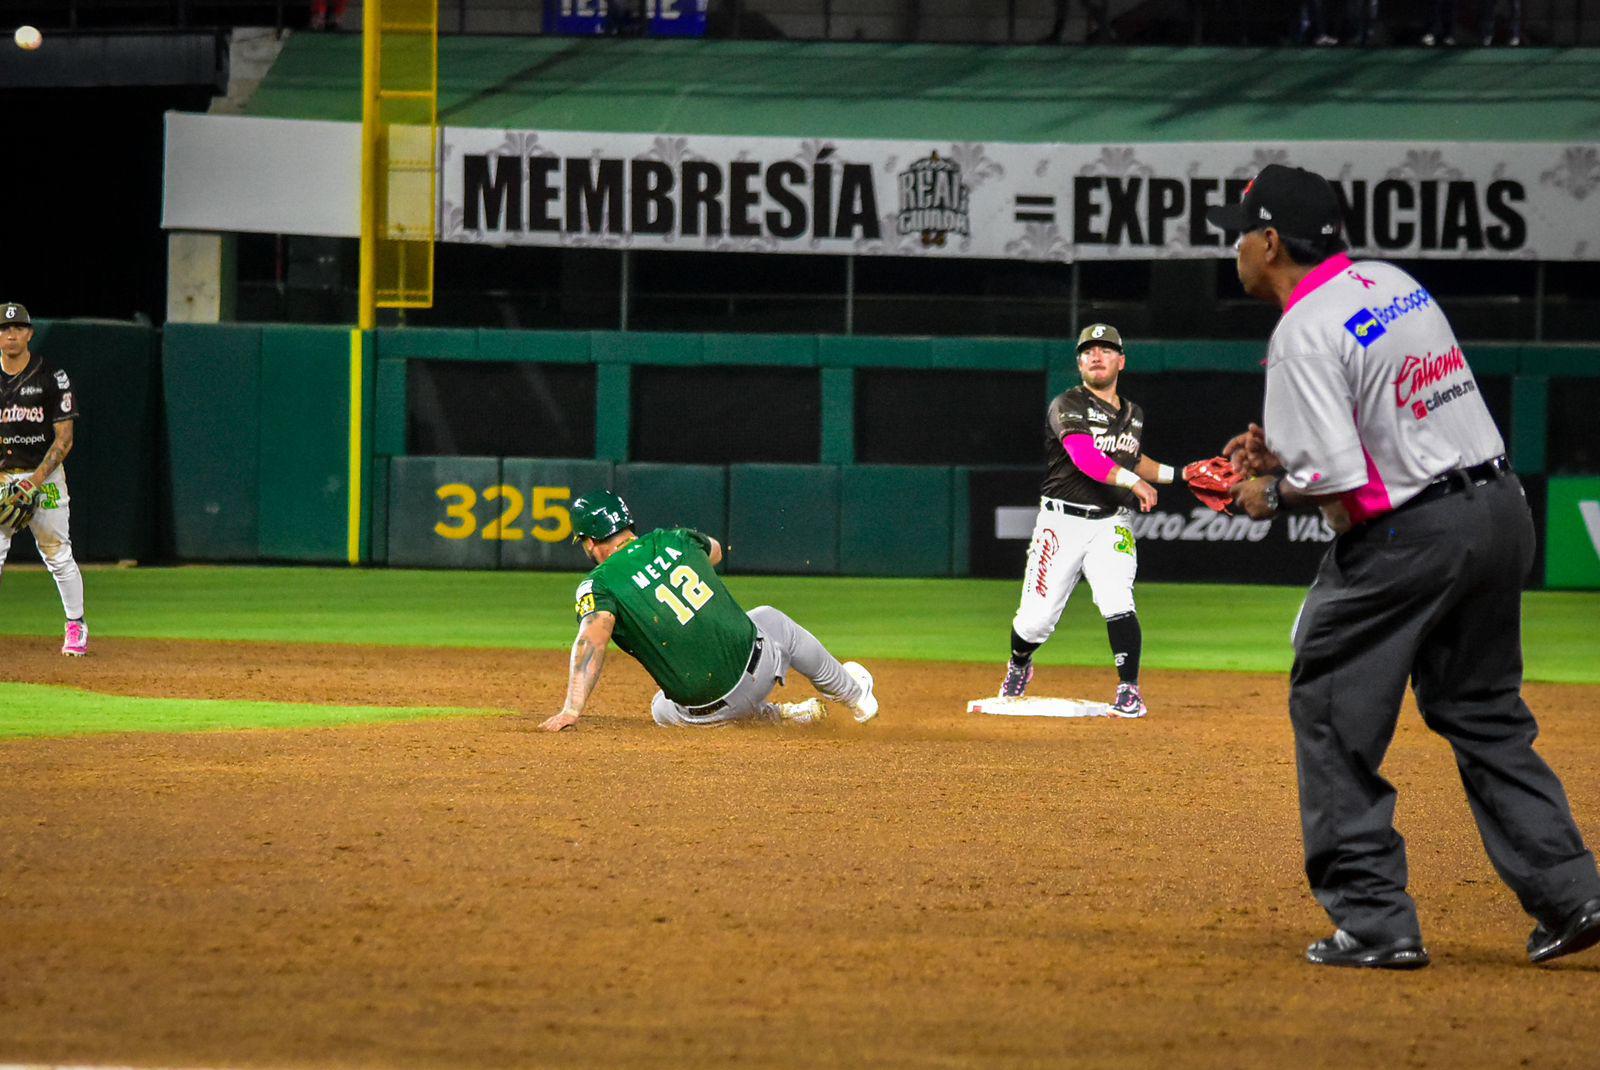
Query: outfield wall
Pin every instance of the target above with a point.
(811, 455)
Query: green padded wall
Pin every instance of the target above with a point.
(304, 488)
(783, 518)
(895, 521)
(535, 496)
(676, 496)
(211, 375)
(423, 530)
(113, 474)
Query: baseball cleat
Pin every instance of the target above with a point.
(865, 707)
(1129, 702)
(1342, 949)
(1015, 685)
(77, 640)
(811, 711)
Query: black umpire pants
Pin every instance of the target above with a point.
(1432, 594)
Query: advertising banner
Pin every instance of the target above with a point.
(653, 18)
(1572, 533)
(1178, 541)
(1060, 202)
(1004, 201)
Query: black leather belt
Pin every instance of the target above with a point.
(749, 670)
(1088, 512)
(1458, 480)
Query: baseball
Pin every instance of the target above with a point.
(28, 37)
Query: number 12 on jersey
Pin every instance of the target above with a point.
(694, 590)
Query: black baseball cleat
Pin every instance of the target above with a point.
(1342, 949)
(1580, 930)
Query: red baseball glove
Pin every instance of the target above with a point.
(1212, 481)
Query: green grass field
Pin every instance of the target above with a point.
(1194, 626)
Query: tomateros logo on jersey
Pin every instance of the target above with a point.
(1419, 373)
(1365, 327)
(19, 413)
(1127, 442)
(933, 200)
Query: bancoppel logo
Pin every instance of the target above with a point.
(1365, 327)
(1418, 298)
(1098, 417)
(933, 200)
(19, 413)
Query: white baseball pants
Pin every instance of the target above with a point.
(1065, 547)
(49, 527)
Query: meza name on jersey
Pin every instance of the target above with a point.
(639, 578)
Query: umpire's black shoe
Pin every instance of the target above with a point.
(1580, 930)
(1342, 949)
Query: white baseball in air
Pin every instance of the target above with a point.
(28, 37)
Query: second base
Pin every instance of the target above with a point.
(1039, 707)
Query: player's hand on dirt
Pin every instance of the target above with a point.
(1146, 495)
(1251, 496)
(564, 719)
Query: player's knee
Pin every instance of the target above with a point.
(1114, 605)
(1033, 629)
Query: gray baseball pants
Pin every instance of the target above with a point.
(1432, 594)
(784, 644)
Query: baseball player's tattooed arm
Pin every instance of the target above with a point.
(588, 657)
(56, 453)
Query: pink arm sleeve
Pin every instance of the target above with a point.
(1090, 461)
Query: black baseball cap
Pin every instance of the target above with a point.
(1296, 202)
(13, 314)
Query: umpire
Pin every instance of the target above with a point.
(1372, 413)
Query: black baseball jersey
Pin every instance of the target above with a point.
(1116, 433)
(30, 404)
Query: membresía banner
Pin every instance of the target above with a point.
(1403, 200)
(999, 201)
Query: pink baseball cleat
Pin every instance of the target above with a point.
(77, 641)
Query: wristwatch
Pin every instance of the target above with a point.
(1269, 494)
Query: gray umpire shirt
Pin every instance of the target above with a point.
(1368, 393)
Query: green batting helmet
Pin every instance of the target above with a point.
(599, 516)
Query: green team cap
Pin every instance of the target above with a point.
(1099, 334)
(599, 516)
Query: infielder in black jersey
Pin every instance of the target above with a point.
(38, 412)
(1094, 474)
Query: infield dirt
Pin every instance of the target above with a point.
(932, 889)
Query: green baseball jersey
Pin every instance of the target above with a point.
(673, 614)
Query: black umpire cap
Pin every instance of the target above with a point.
(1295, 202)
(13, 314)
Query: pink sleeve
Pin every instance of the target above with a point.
(1090, 461)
